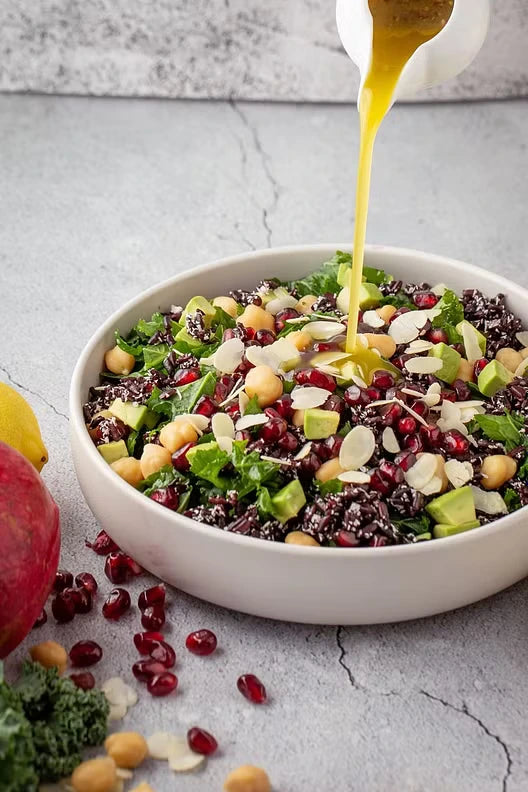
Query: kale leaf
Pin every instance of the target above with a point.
(322, 280)
(451, 313)
(504, 428)
(184, 399)
(512, 500)
(416, 525)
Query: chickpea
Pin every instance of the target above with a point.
(95, 775)
(440, 472)
(509, 358)
(176, 434)
(50, 655)
(466, 371)
(305, 304)
(264, 384)
(247, 779)
(300, 340)
(119, 362)
(386, 312)
(300, 538)
(127, 749)
(496, 470)
(153, 458)
(329, 470)
(383, 343)
(143, 787)
(129, 468)
(256, 317)
(298, 418)
(227, 304)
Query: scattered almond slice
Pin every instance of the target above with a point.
(181, 758)
(439, 289)
(200, 422)
(357, 448)
(262, 356)
(488, 502)
(433, 395)
(307, 397)
(247, 421)
(419, 346)
(235, 393)
(411, 392)
(458, 473)
(276, 460)
(243, 401)
(415, 415)
(159, 744)
(324, 330)
(358, 381)
(297, 320)
(116, 690)
(117, 711)
(286, 352)
(280, 303)
(468, 413)
(124, 773)
(433, 487)
(222, 425)
(390, 441)
(421, 473)
(522, 337)
(305, 450)
(354, 477)
(228, 356)
(327, 358)
(423, 365)
(225, 444)
(521, 368)
(373, 319)
(471, 344)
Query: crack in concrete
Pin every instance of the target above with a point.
(342, 656)
(33, 393)
(266, 211)
(463, 710)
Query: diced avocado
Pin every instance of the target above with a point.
(454, 508)
(493, 377)
(151, 419)
(343, 274)
(288, 501)
(183, 335)
(200, 303)
(191, 453)
(423, 537)
(369, 296)
(480, 338)
(111, 452)
(450, 359)
(104, 414)
(441, 530)
(320, 424)
(132, 415)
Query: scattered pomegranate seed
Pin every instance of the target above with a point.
(41, 619)
(323, 346)
(391, 472)
(152, 596)
(85, 653)
(283, 407)
(425, 300)
(448, 395)
(86, 581)
(420, 408)
(380, 483)
(185, 376)
(206, 406)
(63, 579)
(163, 653)
(356, 396)
(399, 312)
(346, 539)
(479, 366)
(373, 394)
(234, 411)
(264, 337)
(63, 606)
(201, 742)
(462, 390)
(406, 425)
(144, 670)
(405, 460)
(120, 567)
(116, 604)
(273, 430)
(243, 435)
(459, 348)
(228, 334)
(431, 435)
(308, 467)
(288, 442)
(413, 442)
(179, 458)
(83, 600)
(252, 688)
(316, 378)
(168, 497)
(153, 617)
(162, 684)
(334, 403)
(437, 336)
(201, 642)
(220, 392)
(455, 443)
(383, 380)
(103, 544)
(378, 541)
(144, 641)
(391, 413)
(85, 680)
(400, 361)
(282, 316)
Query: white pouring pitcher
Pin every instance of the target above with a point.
(439, 59)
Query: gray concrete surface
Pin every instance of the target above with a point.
(101, 198)
(244, 49)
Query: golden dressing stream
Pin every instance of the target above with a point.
(400, 27)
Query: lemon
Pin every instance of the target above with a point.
(19, 427)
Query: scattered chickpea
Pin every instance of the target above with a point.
(50, 654)
(466, 371)
(264, 384)
(300, 538)
(95, 775)
(256, 317)
(143, 787)
(305, 304)
(119, 362)
(386, 312)
(329, 470)
(509, 358)
(383, 343)
(129, 468)
(127, 749)
(153, 458)
(227, 304)
(300, 340)
(496, 470)
(298, 418)
(176, 434)
(440, 472)
(247, 779)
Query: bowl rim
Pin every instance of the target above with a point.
(91, 455)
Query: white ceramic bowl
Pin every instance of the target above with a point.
(279, 581)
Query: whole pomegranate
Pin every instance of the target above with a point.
(30, 545)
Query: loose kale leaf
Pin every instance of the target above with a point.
(452, 312)
(376, 276)
(133, 345)
(264, 504)
(162, 479)
(523, 470)
(329, 487)
(252, 407)
(223, 319)
(208, 463)
(185, 398)
(512, 500)
(146, 329)
(417, 525)
(252, 471)
(504, 428)
(154, 356)
(322, 281)
(399, 300)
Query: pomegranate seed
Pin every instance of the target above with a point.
(405, 460)
(179, 458)
(63, 579)
(448, 395)
(346, 539)
(201, 642)
(144, 641)
(273, 430)
(380, 483)
(479, 366)
(322, 346)
(459, 348)
(162, 684)
(248, 332)
(163, 653)
(462, 390)
(185, 376)
(144, 670)
(234, 411)
(437, 336)
(201, 742)
(220, 392)
(84, 680)
(264, 337)
(85, 653)
(41, 619)
(284, 408)
(356, 396)
(83, 600)
(420, 408)
(399, 312)
(206, 406)
(392, 472)
(334, 403)
(119, 567)
(86, 581)
(390, 413)
(103, 544)
(413, 442)
(167, 497)
(153, 617)
(228, 334)
(252, 688)
(378, 541)
(282, 316)
(243, 435)
(373, 394)
(63, 606)
(431, 435)
(406, 425)
(383, 380)
(288, 442)
(400, 361)
(333, 445)
(425, 300)
(455, 443)
(308, 467)
(316, 378)
(116, 604)
(152, 596)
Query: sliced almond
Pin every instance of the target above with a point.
(117, 711)
(262, 356)
(439, 289)
(354, 477)
(423, 365)
(421, 473)
(324, 330)
(276, 460)
(390, 441)
(458, 473)
(305, 450)
(247, 421)
(225, 444)
(419, 346)
(343, 300)
(280, 303)
(243, 401)
(488, 502)
(228, 356)
(521, 368)
(307, 397)
(222, 425)
(327, 358)
(116, 691)
(373, 319)
(159, 744)
(181, 758)
(471, 344)
(357, 448)
(522, 337)
(433, 487)
(200, 422)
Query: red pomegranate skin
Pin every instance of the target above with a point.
(30, 547)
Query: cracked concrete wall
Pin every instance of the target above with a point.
(218, 49)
